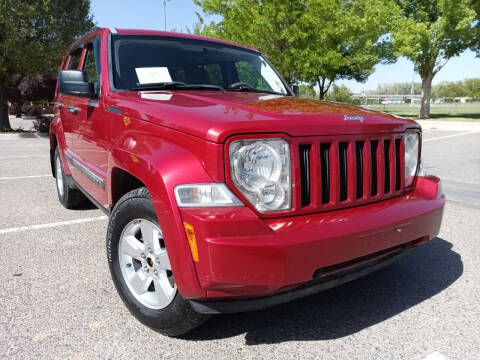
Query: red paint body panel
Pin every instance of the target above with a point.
(215, 116)
(260, 254)
(167, 138)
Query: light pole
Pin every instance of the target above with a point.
(412, 90)
(165, 14)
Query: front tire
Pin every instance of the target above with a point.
(140, 267)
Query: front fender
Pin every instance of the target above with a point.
(162, 164)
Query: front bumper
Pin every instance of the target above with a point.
(244, 256)
(348, 272)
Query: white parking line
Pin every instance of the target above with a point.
(51, 225)
(4, 137)
(436, 356)
(20, 156)
(23, 146)
(450, 136)
(23, 177)
(31, 139)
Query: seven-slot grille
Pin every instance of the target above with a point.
(350, 170)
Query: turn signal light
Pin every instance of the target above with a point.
(192, 241)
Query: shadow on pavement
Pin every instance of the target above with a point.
(88, 205)
(32, 135)
(349, 308)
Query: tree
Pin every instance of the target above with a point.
(34, 88)
(476, 7)
(315, 41)
(33, 37)
(465, 88)
(429, 33)
(307, 91)
(272, 26)
(403, 88)
(342, 94)
(346, 39)
(198, 27)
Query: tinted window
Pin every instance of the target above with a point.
(247, 73)
(92, 65)
(214, 72)
(75, 59)
(138, 60)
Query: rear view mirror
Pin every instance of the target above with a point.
(74, 82)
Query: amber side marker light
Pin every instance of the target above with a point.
(192, 241)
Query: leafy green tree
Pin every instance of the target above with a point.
(429, 33)
(342, 94)
(402, 88)
(345, 40)
(451, 89)
(31, 89)
(315, 41)
(33, 37)
(198, 27)
(446, 89)
(272, 26)
(307, 91)
(476, 7)
(472, 88)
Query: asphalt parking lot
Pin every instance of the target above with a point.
(57, 299)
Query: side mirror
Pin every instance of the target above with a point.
(74, 82)
(296, 90)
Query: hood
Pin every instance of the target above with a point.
(215, 116)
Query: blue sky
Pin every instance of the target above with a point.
(148, 14)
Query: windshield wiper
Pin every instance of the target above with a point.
(176, 85)
(253, 90)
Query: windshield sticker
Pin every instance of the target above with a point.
(151, 75)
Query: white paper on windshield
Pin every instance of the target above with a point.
(271, 78)
(150, 75)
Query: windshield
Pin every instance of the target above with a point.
(149, 62)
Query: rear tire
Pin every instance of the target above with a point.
(140, 268)
(68, 194)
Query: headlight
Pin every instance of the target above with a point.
(421, 169)
(412, 141)
(261, 170)
(205, 195)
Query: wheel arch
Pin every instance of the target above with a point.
(160, 172)
(53, 147)
(57, 140)
(121, 183)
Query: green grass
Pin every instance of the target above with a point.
(4, 129)
(449, 112)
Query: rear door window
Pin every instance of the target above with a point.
(91, 65)
(75, 58)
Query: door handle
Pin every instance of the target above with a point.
(72, 109)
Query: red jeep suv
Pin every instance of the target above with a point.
(225, 192)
